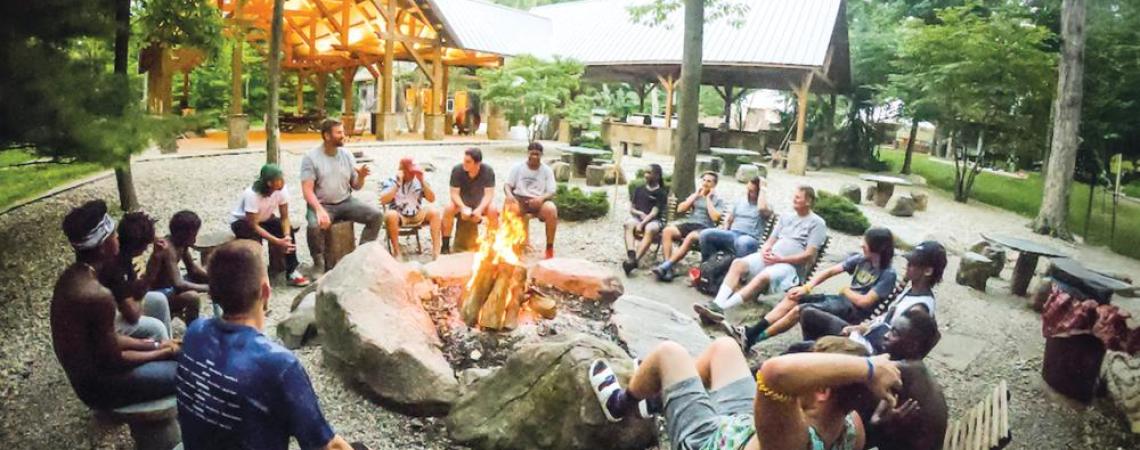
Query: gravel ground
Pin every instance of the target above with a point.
(38, 409)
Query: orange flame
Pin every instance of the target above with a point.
(498, 245)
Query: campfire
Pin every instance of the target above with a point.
(496, 297)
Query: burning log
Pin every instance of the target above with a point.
(502, 303)
(478, 289)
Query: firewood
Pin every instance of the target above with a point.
(518, 288)
(543, 305)
(484, 281)
(510, 280)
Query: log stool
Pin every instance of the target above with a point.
(466, 236)
(340, 240)
(153, 424)
(209, 242)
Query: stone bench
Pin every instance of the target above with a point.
(153, 424)
(208, 242)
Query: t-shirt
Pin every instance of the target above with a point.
(532, 183)
(471, 189)
(866, 278)
(879, 326)
(408, 196)
(238, 389)
(794, 234)
(700, 211)
(333, 175)
(264, 207)
(746, 218)
(644, 199)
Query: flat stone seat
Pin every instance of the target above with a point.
(208, 242)
(1072, 272)
(153, 424)
(1027, 255)
(884, 187)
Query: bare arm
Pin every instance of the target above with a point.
(109, 349)
(488, 195)
(251, 219)
(286, 226)
(455, 198)
(388, 195)
(861, 300)
(429, 194)
(308, 191)
(688, 203)
(646, 218)
(507, 192)
(177, 281)
(710, 206)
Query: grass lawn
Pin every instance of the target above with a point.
(18, 183)
(1024, 197)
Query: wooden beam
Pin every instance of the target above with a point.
(668, 82)
(801, 111)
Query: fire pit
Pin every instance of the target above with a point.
(496, 297)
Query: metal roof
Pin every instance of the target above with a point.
(487, 27)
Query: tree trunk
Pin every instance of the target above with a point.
(128, 199)
(1052, 218)
(272, 127)
(688, 129)
(910, 147)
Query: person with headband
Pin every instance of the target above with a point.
(404, 195)
(106, 369)
(262, 213)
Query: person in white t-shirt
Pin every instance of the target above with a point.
(530, 191)
(262, 213)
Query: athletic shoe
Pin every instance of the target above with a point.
(710, 312)
(298, 280)
(739, 334)
(628, 266)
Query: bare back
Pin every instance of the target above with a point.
(82, 329)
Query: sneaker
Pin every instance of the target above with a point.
(298, 280)
(709, 312)
(739, 334)
(663, 274)
(628, 266)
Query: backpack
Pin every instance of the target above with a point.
(711, 273)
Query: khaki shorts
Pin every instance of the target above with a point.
(414, 221)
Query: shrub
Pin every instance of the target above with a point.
(574, 205)
(841, 215)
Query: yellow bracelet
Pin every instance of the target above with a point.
(807, 287)
(764, 390)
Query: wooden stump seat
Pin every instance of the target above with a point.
(340, 240)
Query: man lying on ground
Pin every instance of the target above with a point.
(794, 243)
(872, 280)
(744, 226)
(106, 369)
(236, 387)
(706, 208)
(795, 401)
(647, 217)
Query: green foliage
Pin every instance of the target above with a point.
(840, 214)
(527, 86)
(181, 23)
(1111, 100)
(658, 11)
(574, 205)
(26, 181)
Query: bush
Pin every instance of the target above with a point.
(574, 205)
(841, 215)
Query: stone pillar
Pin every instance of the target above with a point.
(434, 127)
(797, 158)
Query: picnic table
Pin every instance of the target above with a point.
(1089, 281)
(1027, 254)
(582, 157)
(884, 186)
(731, 157)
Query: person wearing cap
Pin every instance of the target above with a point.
(706, 208)
(262, 213)
(404, 195)
(529, 192)
(712, 401)
(872, 280)
(328, 177)
(107, 370)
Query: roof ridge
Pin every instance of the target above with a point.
(500, 6)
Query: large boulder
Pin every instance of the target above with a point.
(852, 193)
(901, 206)
(973, 271)
(541, 399)
(642, 323)
(450, 270)
(562, 171)
(300, 327)
(579, 277)
(375, 331)
(994, 253)
(746, 172)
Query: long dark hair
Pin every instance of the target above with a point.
(881, 242)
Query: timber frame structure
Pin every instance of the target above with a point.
(325, 36)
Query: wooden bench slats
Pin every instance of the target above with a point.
(1005, 432)
(995, 418)
(985, 426)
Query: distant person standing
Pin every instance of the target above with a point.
(328, 177)
(530, 190)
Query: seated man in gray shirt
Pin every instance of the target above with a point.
(530, 191)
(743, 228)
(328, 177)
(794, 242)
(706, 208)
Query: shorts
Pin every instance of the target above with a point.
(688, 227)
(781, 277)
(415, 220)
(525, 208)
(836, 305)
(693, 415)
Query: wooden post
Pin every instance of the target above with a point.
(322, 82)
(801, 112)
(728, 107)
(668, 83)
(386, 120)
(433, 120)
(186, 89)
(447, 118)
(348, 108)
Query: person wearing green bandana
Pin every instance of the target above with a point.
(253, 218)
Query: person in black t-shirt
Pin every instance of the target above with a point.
(472, 189)
(646, 218)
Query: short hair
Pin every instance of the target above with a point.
(716, 176)
(808, 191)
(534, 146)
(184, 223)
(328, 125)
(235, 271)
(755, 180)
(136, 231)
(882, 243)
(923, 329)
(475, 154)
(82, 219)
(851, 396)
